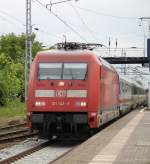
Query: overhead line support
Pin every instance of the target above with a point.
(28, 44)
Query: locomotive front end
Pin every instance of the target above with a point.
(59, 94)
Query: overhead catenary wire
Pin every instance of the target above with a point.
(61, 20)
(83, 22)
(12, 17)
(4, 16)
(21, 23)
(10, 22)
(91, 32)
(104, 14)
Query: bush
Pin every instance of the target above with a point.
(3, 94)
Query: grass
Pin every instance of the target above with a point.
(13, 109)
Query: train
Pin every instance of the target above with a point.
(76, 92)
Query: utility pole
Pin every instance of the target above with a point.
(28, 48)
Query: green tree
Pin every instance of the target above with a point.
(9, 75)
(3, 93)
(14, 46)
(12, 59)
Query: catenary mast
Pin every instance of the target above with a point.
(28, 48)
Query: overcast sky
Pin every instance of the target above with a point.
(93, 20)
(89, 20)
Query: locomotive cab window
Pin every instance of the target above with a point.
(50, 71)
(74, 71)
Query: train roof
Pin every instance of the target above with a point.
(90, 53)
(61, 52)
(78, 52)
(81, 53)
(131, 81)
(106, 64)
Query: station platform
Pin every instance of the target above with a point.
(126, 141)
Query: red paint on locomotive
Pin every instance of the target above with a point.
(98, 91)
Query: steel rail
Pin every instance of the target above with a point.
(23, 154)
(22, 134)
(13, 126)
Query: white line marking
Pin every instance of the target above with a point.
(110, 152)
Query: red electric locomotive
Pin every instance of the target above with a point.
(71, 91)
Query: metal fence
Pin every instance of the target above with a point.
(121, 52)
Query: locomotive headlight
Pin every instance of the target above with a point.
(61, 83)
(40, 103)
(83, 104)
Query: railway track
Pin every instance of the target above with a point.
(36, 152)
(15, 135)
(15, 132)
(13, 126)
(29, 147)
(12, 154)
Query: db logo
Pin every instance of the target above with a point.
(60, 93)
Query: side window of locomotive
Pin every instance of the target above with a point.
(49, 71)
(76, 71)
(121, 87)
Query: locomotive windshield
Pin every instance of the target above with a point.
(74, 71)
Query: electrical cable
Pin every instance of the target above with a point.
(60, 19)
(104, 14)
(6, 20)
(82, 21)
(12, 17)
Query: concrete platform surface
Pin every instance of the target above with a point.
(126, 141)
